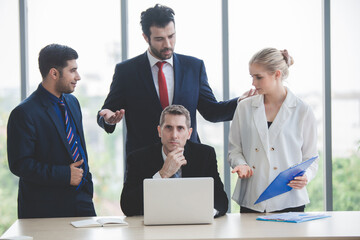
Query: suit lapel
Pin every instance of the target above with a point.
(159, 160)
(285, 111)
(146, 77)
(57, 122)
(153, 160)
(259, 118)
(186, 170)
(178, 78)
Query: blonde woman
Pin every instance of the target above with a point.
(271, 132)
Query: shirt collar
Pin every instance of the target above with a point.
(51, 96)
(163, 153)
(153, 60)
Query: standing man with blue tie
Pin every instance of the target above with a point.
(46, 144)
(143, 86)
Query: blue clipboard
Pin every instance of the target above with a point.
(280, 184)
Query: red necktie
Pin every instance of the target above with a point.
(163, 93)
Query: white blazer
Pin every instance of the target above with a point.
(291, 139)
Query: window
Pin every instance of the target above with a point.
(254, 25)
(9, 98)
(345, 36)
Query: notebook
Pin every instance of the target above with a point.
(178, 201)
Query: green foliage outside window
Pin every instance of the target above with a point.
(346, 182)
(8, 190)
(8, 181)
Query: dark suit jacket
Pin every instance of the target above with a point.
(39, 154)
(144, 163)
(133, 89)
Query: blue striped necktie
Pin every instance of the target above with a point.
(178, 174)
(70, 133)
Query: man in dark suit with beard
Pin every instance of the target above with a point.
(144, 85)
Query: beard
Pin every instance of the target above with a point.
(64, 87)
(161, 54)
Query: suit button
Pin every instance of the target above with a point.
(272, 149)
(275, 168)
(256, 149)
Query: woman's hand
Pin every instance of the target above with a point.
(298, 182)
(243, 171)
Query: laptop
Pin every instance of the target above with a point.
(178, 201)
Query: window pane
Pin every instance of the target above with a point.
(9, 98)
(92, 28)
(292, 25)
(345, 61)
(201, 39)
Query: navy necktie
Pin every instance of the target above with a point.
(70, 133)
(178, 174)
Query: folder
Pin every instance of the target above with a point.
(293, 217)
(280, 183)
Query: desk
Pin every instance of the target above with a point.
(232, 226)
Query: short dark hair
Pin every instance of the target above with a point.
(175, 110)
(55, 56)
(158, 16)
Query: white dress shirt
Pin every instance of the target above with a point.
(168, 70)
(291, 139)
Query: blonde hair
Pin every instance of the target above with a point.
(272, 60)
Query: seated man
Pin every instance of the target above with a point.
(173, 157)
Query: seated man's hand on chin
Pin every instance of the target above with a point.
(173, 162)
